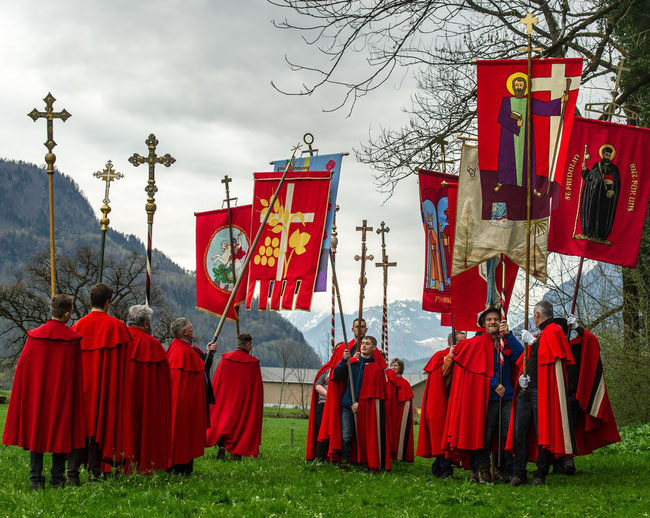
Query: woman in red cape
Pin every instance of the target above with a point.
(402, 421)
(147, 422)
(236, 416)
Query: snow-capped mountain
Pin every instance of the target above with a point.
(412, 332)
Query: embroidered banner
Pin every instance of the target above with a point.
(331, 163)
(286, 260)
(437, 207)
(604, 196)
(216, 267)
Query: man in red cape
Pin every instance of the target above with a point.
(402, 421)
(236, 416)
(540, 420)
(592, 419)
(434, 408)
(147, 406)
(45, 408)
(104, 351)
(189, 407)
(372, 444)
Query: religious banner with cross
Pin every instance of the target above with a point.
(437, 194)
(604, 196)
(330, 163)
(285, 263)
(219, 261)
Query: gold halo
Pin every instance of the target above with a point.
(600, 151)
(513, 76)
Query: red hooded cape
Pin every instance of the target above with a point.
(45, 408)
(434, 408)
(468, 400)
(393, 410)
(104, 346)
(312, 439)
(147, 406)
(404, 423)
(330, 429)
(236, 416)
(189, 417)
(554, 431)
(597, 425)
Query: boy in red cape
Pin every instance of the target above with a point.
(236, 416)
(372, 440)
(590, 412)
(147, 406)
(402, 421)
(189, 407)
(540, 409)
(104, 350)
(434, 408)
(45, 407)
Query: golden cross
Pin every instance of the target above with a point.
(50, 115)
(108, 175)
(529, 21)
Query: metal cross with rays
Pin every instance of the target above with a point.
(108, 175)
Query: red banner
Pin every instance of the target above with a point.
(604, 195)
(503, 132)
(437, 207)
(478, 288)
(215, 265)
(286, 259)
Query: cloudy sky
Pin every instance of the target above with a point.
(198, 74)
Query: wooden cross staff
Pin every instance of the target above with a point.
(364, 228)
(107, 175)
(49, 114)
(152, 159)
(382, 230)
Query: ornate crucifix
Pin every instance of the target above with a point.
(152, 159)
(226, 181)
(382, 230)
(107, 175)
(364, 228)
(49, 114)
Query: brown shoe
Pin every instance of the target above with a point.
(516, 481)
(538, 481)
(345, 465)
(484, 476)
(221, 453)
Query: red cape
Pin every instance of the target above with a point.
(404, 422)
(554, 431)
(312, 439)
(468, 399)
(189, 417)
(45, 407)
(597, 425)
(393, 410)
(147, 421)
(236, 416)
(103, 354)
(330, 429)
(434, 408)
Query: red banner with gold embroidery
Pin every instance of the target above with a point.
(286, 260)
(604, 195)
(216, 267)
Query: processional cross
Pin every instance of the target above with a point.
(382, 230)
(364, 228)
(152, 159)
(226, 181)
(49, 114)
(107, 175)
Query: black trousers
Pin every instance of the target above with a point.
(482, 456)
(525, 417)
(36, 468)
(183, 469)
(441, 467)
(93, 453)
(322, 447)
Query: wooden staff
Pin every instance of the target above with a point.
(226, 180)
(49, 114)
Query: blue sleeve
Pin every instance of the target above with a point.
(341, 371)
(494, 383)
(515, 346)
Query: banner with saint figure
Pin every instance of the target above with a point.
(604, 195)
(286, 260)
(217, 265)
(437, 200)
(331, 163)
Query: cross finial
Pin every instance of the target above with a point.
(529, 21)
(382, 230)
(49, 114)
(108, 175)
(226, 180)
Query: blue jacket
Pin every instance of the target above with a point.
(341, 374)
(509, 361)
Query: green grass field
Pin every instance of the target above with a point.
(612, 482)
